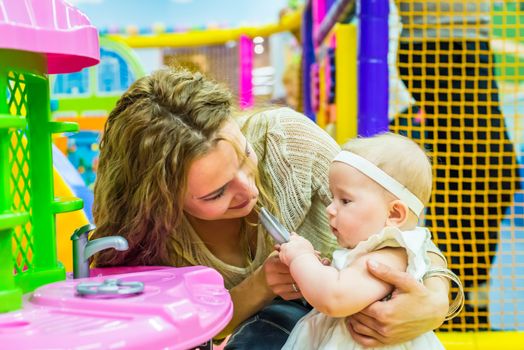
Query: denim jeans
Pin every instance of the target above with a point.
(269, 328)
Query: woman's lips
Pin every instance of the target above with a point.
(241, 205)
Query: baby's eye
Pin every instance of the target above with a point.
(345, 201)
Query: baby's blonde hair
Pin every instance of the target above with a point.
(400, 157)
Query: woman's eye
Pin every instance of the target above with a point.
(217, 196)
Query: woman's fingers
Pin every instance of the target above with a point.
(274, 265)
(368, 322)
(363, 334)
(279, 279)
(289, 291)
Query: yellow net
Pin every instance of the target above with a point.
(456, 89)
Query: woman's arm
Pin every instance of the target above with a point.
(248, 297)
(258, 289)
(414, 308)
(301, 166)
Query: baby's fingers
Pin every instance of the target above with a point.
(324, 261)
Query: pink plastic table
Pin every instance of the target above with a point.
(179, 308)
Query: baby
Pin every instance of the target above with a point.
(379, 187)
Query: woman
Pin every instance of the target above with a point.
(182, 180)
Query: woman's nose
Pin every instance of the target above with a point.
(246, 183)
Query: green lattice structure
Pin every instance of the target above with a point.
(28, 257)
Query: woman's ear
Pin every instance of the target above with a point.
(398, 213)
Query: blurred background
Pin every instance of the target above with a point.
(446, 73)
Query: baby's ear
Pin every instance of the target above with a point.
(398, 213)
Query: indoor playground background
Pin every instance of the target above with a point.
(316, 52)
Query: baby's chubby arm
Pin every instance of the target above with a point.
(333, 292)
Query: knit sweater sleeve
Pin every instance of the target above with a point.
(298, 157)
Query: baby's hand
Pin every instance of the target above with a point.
(296, 246)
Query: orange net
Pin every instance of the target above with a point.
(456, 90)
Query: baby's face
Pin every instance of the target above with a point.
(359, 208)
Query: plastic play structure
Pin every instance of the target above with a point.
(86, 97)
(69, 183)
(177, 308)
(32, 47)
(129, 307)
(332, 72)
(226, 52)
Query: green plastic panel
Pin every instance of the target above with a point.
(28, 253)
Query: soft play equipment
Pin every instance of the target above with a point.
(68, 183)
(150, 308)
(37, 38)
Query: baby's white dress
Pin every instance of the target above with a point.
(319, 331)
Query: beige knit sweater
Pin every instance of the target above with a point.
(297, 158)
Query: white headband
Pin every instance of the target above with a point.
(382, 178)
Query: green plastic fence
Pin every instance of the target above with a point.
(28, 257)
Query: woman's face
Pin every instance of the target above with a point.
(221, 185)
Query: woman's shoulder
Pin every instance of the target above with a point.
(288, 118)
(293, 127)
(284, 113)
(276, 116)
(282, 126)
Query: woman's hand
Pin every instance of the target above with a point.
(412, 310)
(296, 246)
(278, 278)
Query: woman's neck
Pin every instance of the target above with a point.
(224, 238)
(218, 231)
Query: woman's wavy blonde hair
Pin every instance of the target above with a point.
(158, 128)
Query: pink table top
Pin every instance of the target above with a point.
(179, 308)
